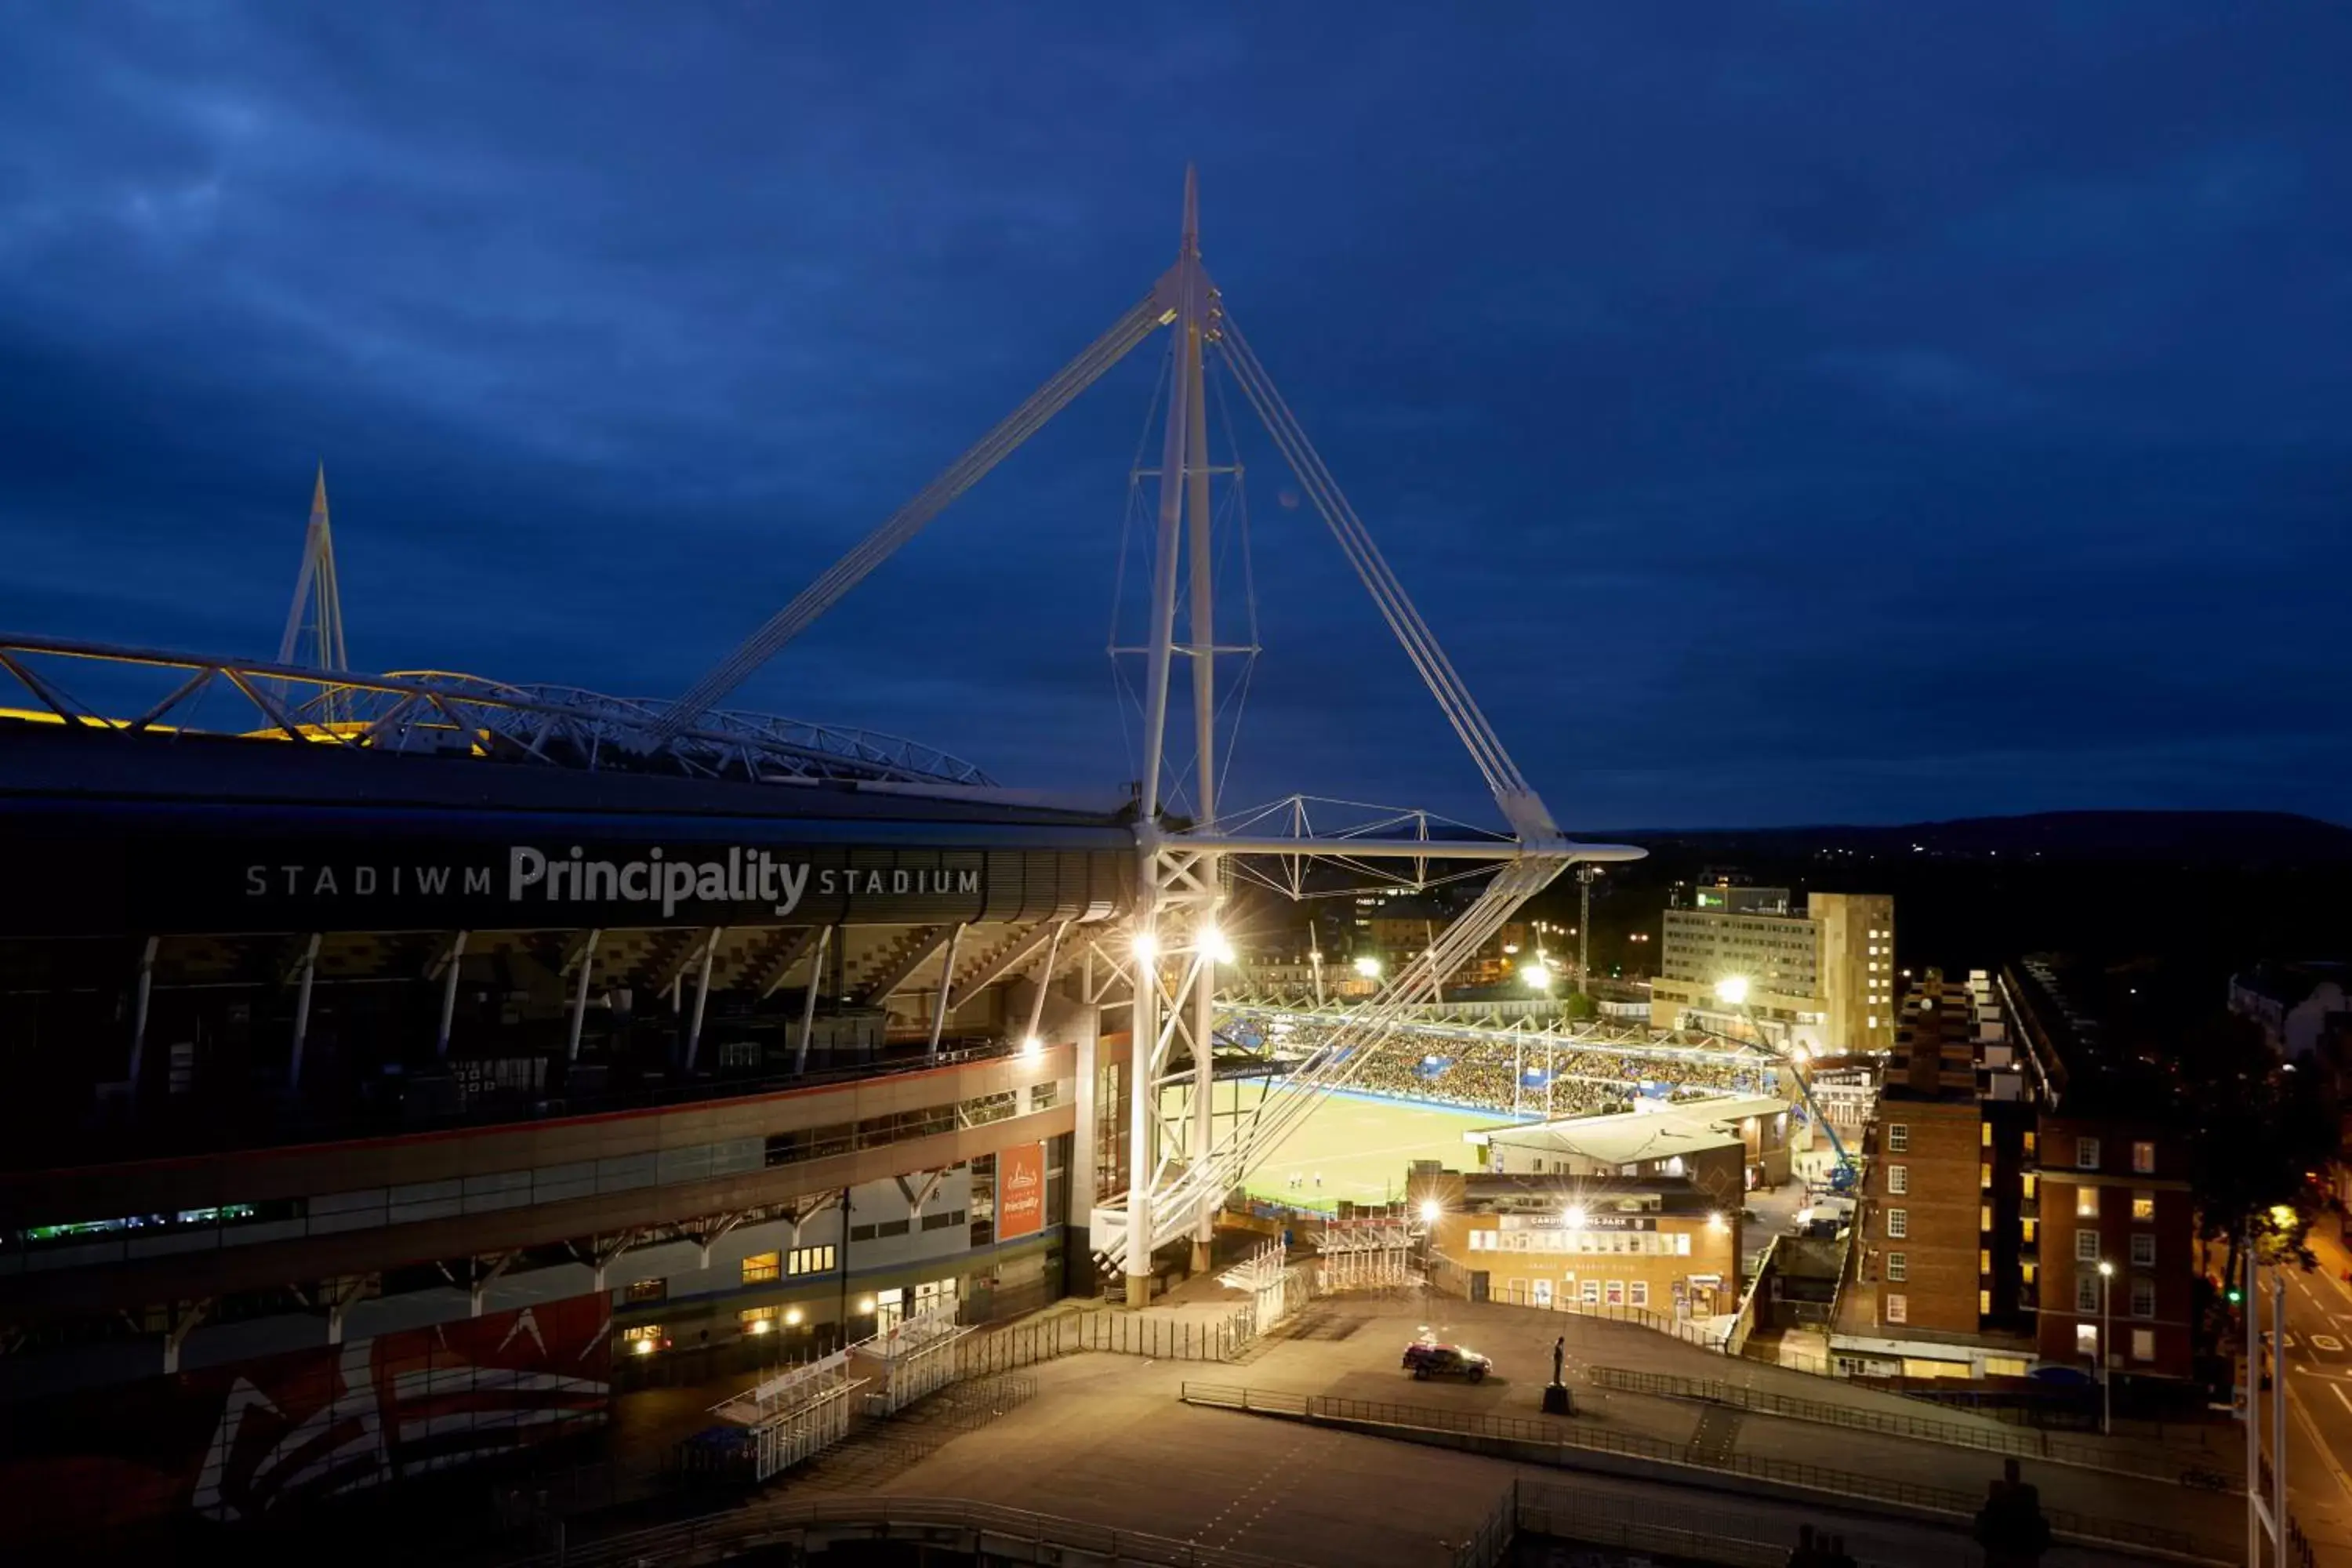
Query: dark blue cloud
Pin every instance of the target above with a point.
(1782, 413)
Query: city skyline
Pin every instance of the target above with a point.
(1816, 418)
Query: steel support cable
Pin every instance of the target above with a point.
(1241, 1152)
(1462, 938)
(1342, 1056)
(1331, 505)
(1420, 643)
(911, 519)
(1355, 541)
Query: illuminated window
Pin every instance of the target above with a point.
(761, 1267)
(2026, 1227)
(2087, 1246)
(2028, 1270)
(1984, 1216)
(1898, 1308)
(2086, 1153)
(2032, 1183)
(2143, 1297)
(1984, 1303)
(1898, 1223)
(2030, 1140)
(2142, 1205)
(1984, 1134)
(2142, 1344)
(810, 1260)
(1873, 1020)
(2087, 1202)
(2086, 1339)
(648, 1290)
(1984, 1177)
(1898, 1267)
(2144, 1158)
(1641, 1290)
(758, 1319)
(643, 1340)
(2143, 1249)
(1984, 1259)
(1898, 1136)
(1898, 1179)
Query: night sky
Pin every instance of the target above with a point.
(1786, 413)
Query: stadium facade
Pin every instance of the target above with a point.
(376, 1113)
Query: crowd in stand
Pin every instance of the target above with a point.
(1495, 1075)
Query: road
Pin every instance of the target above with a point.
(2319, 1398)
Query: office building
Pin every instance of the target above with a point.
(1824, 979)
(1656, 1243)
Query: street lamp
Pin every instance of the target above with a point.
(2106, 1358)
(1368, 967)
(1429, 1209)
(1732, 990)
(1147, 946)
(1216, 946)
(1537, 976)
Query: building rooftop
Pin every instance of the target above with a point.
(1649, 1132)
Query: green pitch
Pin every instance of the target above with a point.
(1361, 1148)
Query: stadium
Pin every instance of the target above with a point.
(491, 1104)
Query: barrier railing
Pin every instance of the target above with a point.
(1490, 1543)
(1700, 1534)
(1169, 1339)
(1925, 1429)
(1683, 1329)
(993, 1527)
(1658, 1450)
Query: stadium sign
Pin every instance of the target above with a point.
(656, 883)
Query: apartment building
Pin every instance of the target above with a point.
(2009, 1161)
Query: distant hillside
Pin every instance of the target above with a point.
(2204, 837)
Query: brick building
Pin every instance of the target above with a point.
(1655, 1243)
(2009, 1159)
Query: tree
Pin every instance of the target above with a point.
(2256, 1128)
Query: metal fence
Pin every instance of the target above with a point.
(1658, 1450)
(1683, 1329)
(1921, 1428)
(1169, 1339)
(1490, 1543)
(968, 1527)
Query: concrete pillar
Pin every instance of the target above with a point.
(701, 995)
(946, 983)
(580, 993)
(139, 1015)
(448, 992)
(808, 1003)
(302, 1018)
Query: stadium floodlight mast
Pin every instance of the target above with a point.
(1178, 1172)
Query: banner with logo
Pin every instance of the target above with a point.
(239, 1441)
(1020, 1191)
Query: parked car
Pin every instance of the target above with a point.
(1424, 1358)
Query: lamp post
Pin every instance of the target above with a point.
(2106, 1358)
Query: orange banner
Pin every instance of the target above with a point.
(1020, 1191)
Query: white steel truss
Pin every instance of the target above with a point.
(437, 711)
(1179, 1173)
